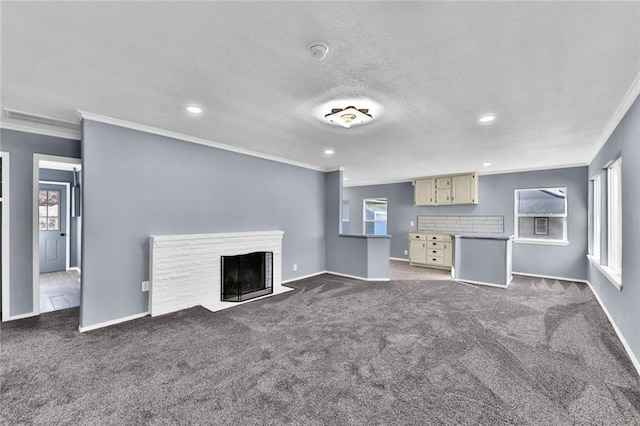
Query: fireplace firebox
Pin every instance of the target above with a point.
(246, 276)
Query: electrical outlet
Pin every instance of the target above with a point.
(411, 223)
(145, 285)
(295, 266)
(406, 252)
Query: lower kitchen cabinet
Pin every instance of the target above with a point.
(430, 250)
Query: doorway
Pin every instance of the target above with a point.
(57, 230)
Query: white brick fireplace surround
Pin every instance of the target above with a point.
(185, 269)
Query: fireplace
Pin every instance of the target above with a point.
(246, 276)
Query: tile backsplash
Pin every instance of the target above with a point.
(480, 224)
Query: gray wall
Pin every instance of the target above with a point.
(136, 184)
(623, 305)
(495, 198)
(22, 146)
(74, 240)
(356, 256)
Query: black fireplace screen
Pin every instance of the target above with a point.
(246, 276)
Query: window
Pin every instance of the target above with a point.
(345, 216)
(596, 230)
(375, 216)
(49, 210)
(541, 215)
(614, 217)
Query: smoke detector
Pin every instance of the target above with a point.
(319, 51)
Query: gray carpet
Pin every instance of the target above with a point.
(335, 351)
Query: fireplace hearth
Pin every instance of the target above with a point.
(246, 276)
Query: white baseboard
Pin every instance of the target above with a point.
(75, 268)
(627, 348)
(481, 283)
(399, 259)
(356, 277)
(303, 277)
(575, 280)
(112, 322)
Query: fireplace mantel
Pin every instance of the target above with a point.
(185, 269)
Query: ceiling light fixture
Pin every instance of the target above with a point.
(345, 178)
(487, 118)
(329, 151)
(486, 164)
(348, 116)
(194, 109)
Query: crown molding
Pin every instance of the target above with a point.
(533, 169)
(192, 139)
(70, 134)
(627, 101)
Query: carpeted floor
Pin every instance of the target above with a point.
(335, 351)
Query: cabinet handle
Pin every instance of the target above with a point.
(452, 198)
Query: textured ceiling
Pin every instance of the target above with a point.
(554, 74)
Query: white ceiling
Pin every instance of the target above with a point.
(557, 75)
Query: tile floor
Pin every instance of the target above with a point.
(59, 290)
(399, 270)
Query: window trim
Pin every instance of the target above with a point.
(364, 214)
(342, 219)
(541, 241)
(596, 218)
(614, 205)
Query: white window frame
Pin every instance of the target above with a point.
(364, 214)
(596, 218)
(343, 220)
(563, 242)
(614, 217)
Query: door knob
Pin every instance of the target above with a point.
(63, 235)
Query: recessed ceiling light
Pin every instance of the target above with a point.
(194, 109)
(487, 118)
(345, 178)
(486, 164)
(329, 151)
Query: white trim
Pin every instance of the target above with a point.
(75, 268)
(67, 239)
(626, 346)
(6, 234)
(178, 237)
(20, 316)
(356, 277)
(35, 243)
(532, 169)
(193, 139)
(613, 278)
(625, 104)
(541, 242)
(483, 283)
(303, 277)
(551, 277)
(399, 259)
(70, 134)
(112, 322)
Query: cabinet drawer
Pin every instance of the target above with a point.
(443, 183)
(434, 237)
(421, 237)
(432, 260)
(435, 245)
(435, 252)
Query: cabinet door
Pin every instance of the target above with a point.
(424, 192)
(417, 251)
(464, 189)
(447, 253)
(443, 196)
